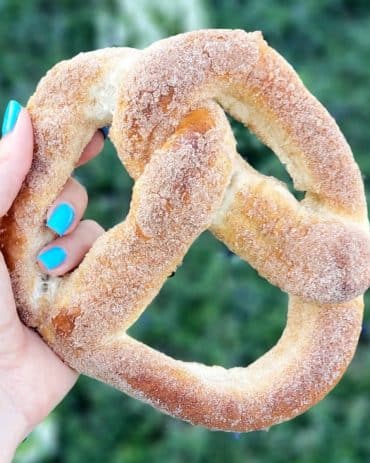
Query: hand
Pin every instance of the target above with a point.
(33, 380)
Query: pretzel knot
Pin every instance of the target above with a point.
(174, 139)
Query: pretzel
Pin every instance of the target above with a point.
(175, 141)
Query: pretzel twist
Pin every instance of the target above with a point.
(175, 141)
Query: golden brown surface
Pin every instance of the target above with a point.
(173, 137)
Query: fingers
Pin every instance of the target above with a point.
(65, 253)
(64, 218)
(65, 214)
(92, 149)
(16, 149)
(75, 236)
(67, 211)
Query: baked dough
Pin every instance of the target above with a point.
(164, 104)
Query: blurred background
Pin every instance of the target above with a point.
(215, 309)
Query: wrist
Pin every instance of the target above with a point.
(13, 427)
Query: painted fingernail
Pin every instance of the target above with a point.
(105, 131)
(52, 258)
(61, 218)
(10, 117)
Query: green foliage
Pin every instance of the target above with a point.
(216, 309)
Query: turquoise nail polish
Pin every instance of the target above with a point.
(53, 257)
(10, 117)
(61, 218)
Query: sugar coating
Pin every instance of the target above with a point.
(326, 262)
(231, 66)
(296, 248)
(173, 137)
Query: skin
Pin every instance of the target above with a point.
(27, 396)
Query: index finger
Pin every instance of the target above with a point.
(92, 149)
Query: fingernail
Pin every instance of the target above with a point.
(10, 117)
(61, 218)
(52, 258)
(105, 131)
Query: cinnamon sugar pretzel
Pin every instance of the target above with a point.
(174, 139)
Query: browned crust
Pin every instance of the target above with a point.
(178, 145)
(303, 251)
(323, 262)
(295, 374)
(235, 66)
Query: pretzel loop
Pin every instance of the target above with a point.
(174, 139)
(312, 250)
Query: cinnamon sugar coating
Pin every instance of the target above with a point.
(165, 105)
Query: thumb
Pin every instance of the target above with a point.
(16, 148)
(10, 325)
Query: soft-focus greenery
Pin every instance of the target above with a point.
(216, 309)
